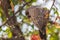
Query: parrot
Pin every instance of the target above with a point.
(40, 17)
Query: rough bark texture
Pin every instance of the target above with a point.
(17, 34)
(5, 4)
(40, 17)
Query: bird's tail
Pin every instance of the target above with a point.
(42, 33)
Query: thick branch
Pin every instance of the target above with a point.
(16, 12)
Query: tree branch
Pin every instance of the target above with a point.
(52, 6)
(16, 12)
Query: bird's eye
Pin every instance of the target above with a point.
(28, 15)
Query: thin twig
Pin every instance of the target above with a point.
(55, 7)
(52, 6)
(50, 11)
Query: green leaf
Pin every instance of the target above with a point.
(10, 35)
(56, 12)
(30, 0)
(1, 11)
(10, 13)
(15, 2)
(34, 0)
(54, 37)
(32, 26)
(36, 32)
(27, 0)
(0, 29)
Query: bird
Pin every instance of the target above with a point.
(40, 17)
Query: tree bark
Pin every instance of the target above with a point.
(16, 31)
